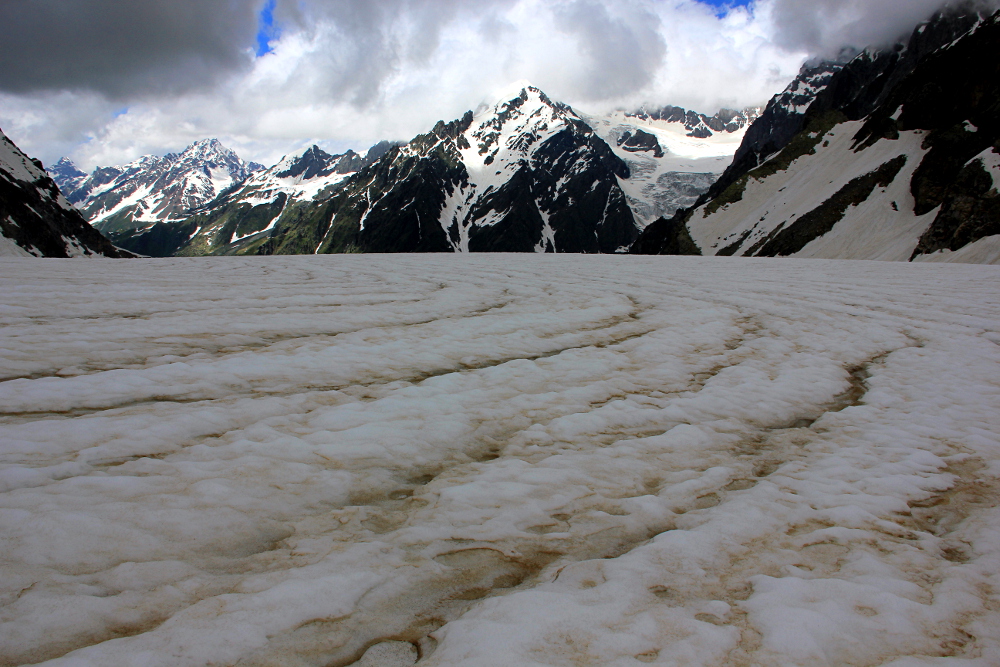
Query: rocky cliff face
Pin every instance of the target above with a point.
(896, 158)
(36, 219)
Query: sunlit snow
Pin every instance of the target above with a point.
(499, 460)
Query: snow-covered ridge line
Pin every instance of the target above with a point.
(151, 188)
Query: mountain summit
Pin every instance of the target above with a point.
(521, 174)
(525, 174)
(152, 188)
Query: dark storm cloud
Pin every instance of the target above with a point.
(123, 47)
(823, 27)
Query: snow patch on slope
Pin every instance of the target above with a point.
(9, 248)
(984, 251)
(872, 230)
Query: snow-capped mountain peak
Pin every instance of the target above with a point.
(509, 128)
(520, 173)
(65, 168)
(152, 188)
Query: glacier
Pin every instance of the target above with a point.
(499, 460)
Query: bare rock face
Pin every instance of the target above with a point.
(35, 218)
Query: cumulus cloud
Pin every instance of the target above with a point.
(347, 73)
(624, 49)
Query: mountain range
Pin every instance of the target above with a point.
(889, 153)
(152, 189)
(530, 161)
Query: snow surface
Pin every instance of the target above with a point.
(990, 160)
(983, 251)
(505, 460)
(15, 167)
(10, 248)
(16, 164)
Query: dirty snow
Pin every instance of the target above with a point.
(499, 460)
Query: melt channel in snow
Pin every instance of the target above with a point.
(499, 460)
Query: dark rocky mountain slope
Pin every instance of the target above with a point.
(36, 219)
(526, 174)
(897, 157)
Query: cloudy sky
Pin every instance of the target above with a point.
(105, 81)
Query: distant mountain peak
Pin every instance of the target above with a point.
(66, 168)
(152, 188)
(699, 125)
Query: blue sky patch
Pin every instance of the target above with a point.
(722, 7)
(267, 31)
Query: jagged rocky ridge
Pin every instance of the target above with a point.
(244, 217)
(123, 199)
(36, 219)
(895, 158)
(246, 211)
(527, 174)
(698, 124)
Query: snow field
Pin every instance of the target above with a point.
(499, 460)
